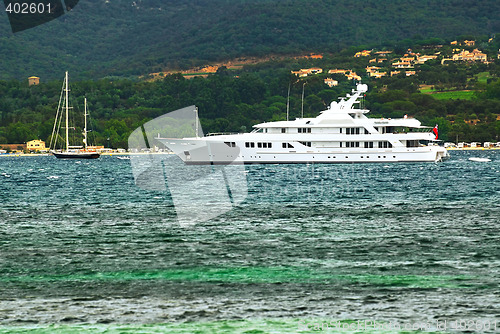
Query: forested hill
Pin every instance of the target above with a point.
(132, 37)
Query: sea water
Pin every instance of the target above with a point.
(312, 248)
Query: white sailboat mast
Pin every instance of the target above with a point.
(85, 128)
(67, 112)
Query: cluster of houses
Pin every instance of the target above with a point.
(485, 145)
(350, 74)
(405, 64)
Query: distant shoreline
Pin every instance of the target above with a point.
(130, 153)
(102, 154)
(473, 149)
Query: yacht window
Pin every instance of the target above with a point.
(353, 131)
(384, 144)
(270, 145)
(283, 145)
(259, 145)
(283, 130)
(412, 143)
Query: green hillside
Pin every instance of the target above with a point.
(127, 38)
(463, 98)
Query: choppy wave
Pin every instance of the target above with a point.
(83, 249)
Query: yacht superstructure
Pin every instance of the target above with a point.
(340, 134)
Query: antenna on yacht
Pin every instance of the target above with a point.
(288, 102)
(196, 121)
(303, 85)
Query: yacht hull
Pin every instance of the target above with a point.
(202, 152)
(68, 155)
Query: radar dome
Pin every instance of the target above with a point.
(362, 88)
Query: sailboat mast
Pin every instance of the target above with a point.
(67, 112)
(85, 128)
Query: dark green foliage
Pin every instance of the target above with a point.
(233, 104)
(129, 38)
(233, 101)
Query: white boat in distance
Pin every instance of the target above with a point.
(340, 134)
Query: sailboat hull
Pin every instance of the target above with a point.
(76, 155)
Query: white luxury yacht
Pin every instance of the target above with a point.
(340, 134)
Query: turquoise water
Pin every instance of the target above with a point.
(83, 249)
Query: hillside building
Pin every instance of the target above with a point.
(364, 53)
(331, 83)
(33, 81)
(474, 55)
(36, 145)
(353, 76)
(304, 72)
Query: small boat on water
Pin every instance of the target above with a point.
(69, 151)
(479, 159)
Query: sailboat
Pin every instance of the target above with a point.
(69, 152)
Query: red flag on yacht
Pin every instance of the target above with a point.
(435, 131)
